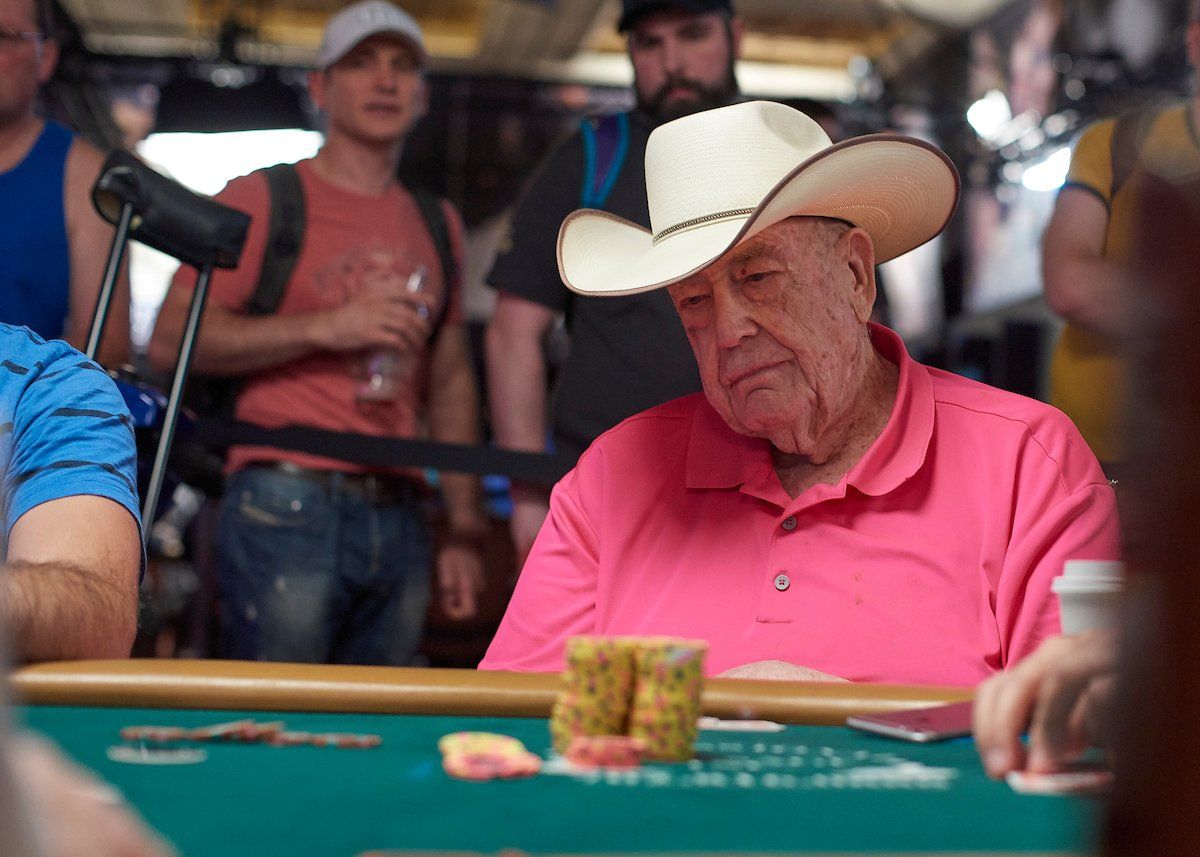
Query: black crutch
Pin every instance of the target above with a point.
(197, 231)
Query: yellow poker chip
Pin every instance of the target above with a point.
(483, 756)
(480, 767)
(457, 743)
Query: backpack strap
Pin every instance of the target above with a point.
(217, 396)
(435, 221)
(285, 236)
(1129, 135)
(605, 145)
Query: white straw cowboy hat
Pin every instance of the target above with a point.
(717, 178)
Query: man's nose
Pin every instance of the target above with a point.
(386, 77)
(672, 57)
(732, 319)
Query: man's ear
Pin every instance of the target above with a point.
(860, 260)
(47, 60)
(316, 88)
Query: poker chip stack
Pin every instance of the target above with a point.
(666, 699)
(643, 689)
(596, 692)
(482, 756)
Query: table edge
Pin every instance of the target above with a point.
(218, 684)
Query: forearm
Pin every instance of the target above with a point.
(517, 391)
(242, 345)
(58, 611)
(231, 344)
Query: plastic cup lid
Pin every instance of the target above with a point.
(1085, 585)
(1094, 568)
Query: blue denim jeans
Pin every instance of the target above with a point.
(313, 573)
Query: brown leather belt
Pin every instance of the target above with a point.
(376, 489)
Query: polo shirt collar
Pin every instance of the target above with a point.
(719, 457)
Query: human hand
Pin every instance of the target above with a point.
(1062, 693)
(76, 814)
(377, 319)
(460, 580)
(778, 671)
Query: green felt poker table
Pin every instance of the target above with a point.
(816, 787)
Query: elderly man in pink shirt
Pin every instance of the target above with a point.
(828, 508)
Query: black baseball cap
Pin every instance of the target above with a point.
(634, 10)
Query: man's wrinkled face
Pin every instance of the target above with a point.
(683, 62)
(776, 325)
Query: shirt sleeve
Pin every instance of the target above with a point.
(71, 435)
(1066, 510)
(1091, 162)
(232, 288)
(527, 264)
(555, 596)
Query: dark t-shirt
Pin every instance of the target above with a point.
(628, 353)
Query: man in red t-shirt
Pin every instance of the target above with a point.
(320, 559)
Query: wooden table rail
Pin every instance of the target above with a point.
(154, 683)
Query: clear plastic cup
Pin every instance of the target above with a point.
(386, 371)
(1089, 594)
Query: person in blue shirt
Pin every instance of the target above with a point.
(54, 245)
(68, 503)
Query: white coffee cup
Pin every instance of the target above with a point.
(1089, 594)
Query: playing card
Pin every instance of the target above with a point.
(1082, 781)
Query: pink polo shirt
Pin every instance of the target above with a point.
(930, 562)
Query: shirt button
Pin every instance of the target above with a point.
(782, 582)
(789, 523)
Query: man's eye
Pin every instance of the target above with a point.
(757, 276)
(693, 301)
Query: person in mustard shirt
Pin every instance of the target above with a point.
(1086, 249)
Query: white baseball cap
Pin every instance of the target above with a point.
(362, 20)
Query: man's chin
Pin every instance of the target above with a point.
(669, 109)
(677, 108)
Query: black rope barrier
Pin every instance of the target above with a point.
(370, 451)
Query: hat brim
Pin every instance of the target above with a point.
(901, 190)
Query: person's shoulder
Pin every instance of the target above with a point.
(650, 434)
(248, 191)
(996, 414)
(82, 169)
(659, 418)
(975, 397)
(49, 369)
(1099, 131)
(1177, 114)
(85, 156)
(566, 154)
(25, 350)
(1095, 141)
